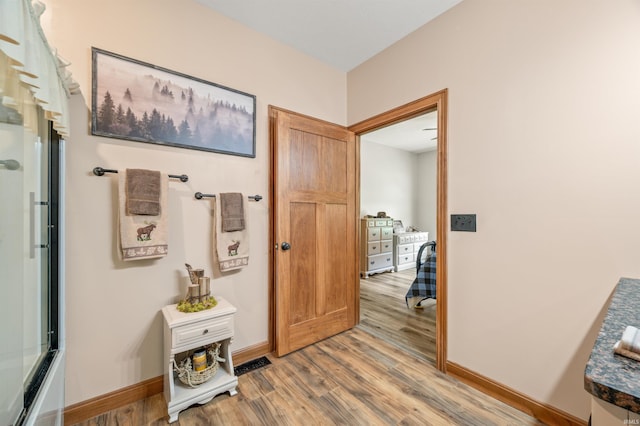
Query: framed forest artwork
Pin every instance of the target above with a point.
(141, 102)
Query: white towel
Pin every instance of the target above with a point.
(232, 247)
(142, 236)
(629, 345)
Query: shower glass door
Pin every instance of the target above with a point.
(25, 316)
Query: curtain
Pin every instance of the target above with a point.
(31, 72)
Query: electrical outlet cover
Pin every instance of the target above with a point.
(463, 222)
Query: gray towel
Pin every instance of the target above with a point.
(231, 212)
(143, 192)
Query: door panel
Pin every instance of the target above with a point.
(315, 212)
(336, 271)
(303, 270)
(335, 167)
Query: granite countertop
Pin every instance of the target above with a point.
(608, 376)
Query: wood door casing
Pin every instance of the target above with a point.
(315, 211)
(436, 101)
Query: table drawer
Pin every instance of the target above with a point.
(204, 332)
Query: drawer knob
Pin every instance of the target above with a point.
(206, 330)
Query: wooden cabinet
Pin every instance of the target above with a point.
(405, 249)
(187, 331)
(376, 246)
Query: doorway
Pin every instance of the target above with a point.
(437, 102)
(282, 127)
(398, 176)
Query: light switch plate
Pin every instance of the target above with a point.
(463, 222)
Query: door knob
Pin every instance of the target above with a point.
(286, 246)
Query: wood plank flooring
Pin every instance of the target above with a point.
(359, 377)
(384, 313)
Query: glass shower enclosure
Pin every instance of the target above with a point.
(28, 259)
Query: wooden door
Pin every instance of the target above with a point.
(315, 234)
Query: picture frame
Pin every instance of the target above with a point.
(138, 101)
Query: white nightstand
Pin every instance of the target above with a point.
(184, 332)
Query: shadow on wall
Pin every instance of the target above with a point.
(573, 376)
(146, 353)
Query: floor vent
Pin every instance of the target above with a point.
(251, 365)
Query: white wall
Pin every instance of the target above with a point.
(388, 182)
(543, 147)
(114, 325)
(427, 192)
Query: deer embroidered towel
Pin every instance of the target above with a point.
(629, 345)
(142, 236)
(232, 247)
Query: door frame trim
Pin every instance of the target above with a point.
(420, 106)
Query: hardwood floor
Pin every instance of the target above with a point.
(354, 378)
(384, 313)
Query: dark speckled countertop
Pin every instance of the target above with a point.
(608, 376)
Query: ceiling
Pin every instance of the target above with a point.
(344, 34)
(340, 33)
(409, 135)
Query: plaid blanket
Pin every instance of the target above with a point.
(424, 286)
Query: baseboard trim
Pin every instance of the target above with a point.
(85, 410)
(250, 353)
(543, 412)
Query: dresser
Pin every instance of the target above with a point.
(184, 332)
(405, 249)
(376, 246)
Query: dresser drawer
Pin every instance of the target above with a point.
(405, 248)
(384, 222)
(373, 234)
(374, 248)
(422, 237)
(386, 233)
(405, 258)
(406, 238)
(379, 261)
(386, 246)
(203, 332)
(402, 239)
(416, 246)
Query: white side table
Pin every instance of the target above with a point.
(187, 331)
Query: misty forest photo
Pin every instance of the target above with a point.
(141, 102)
